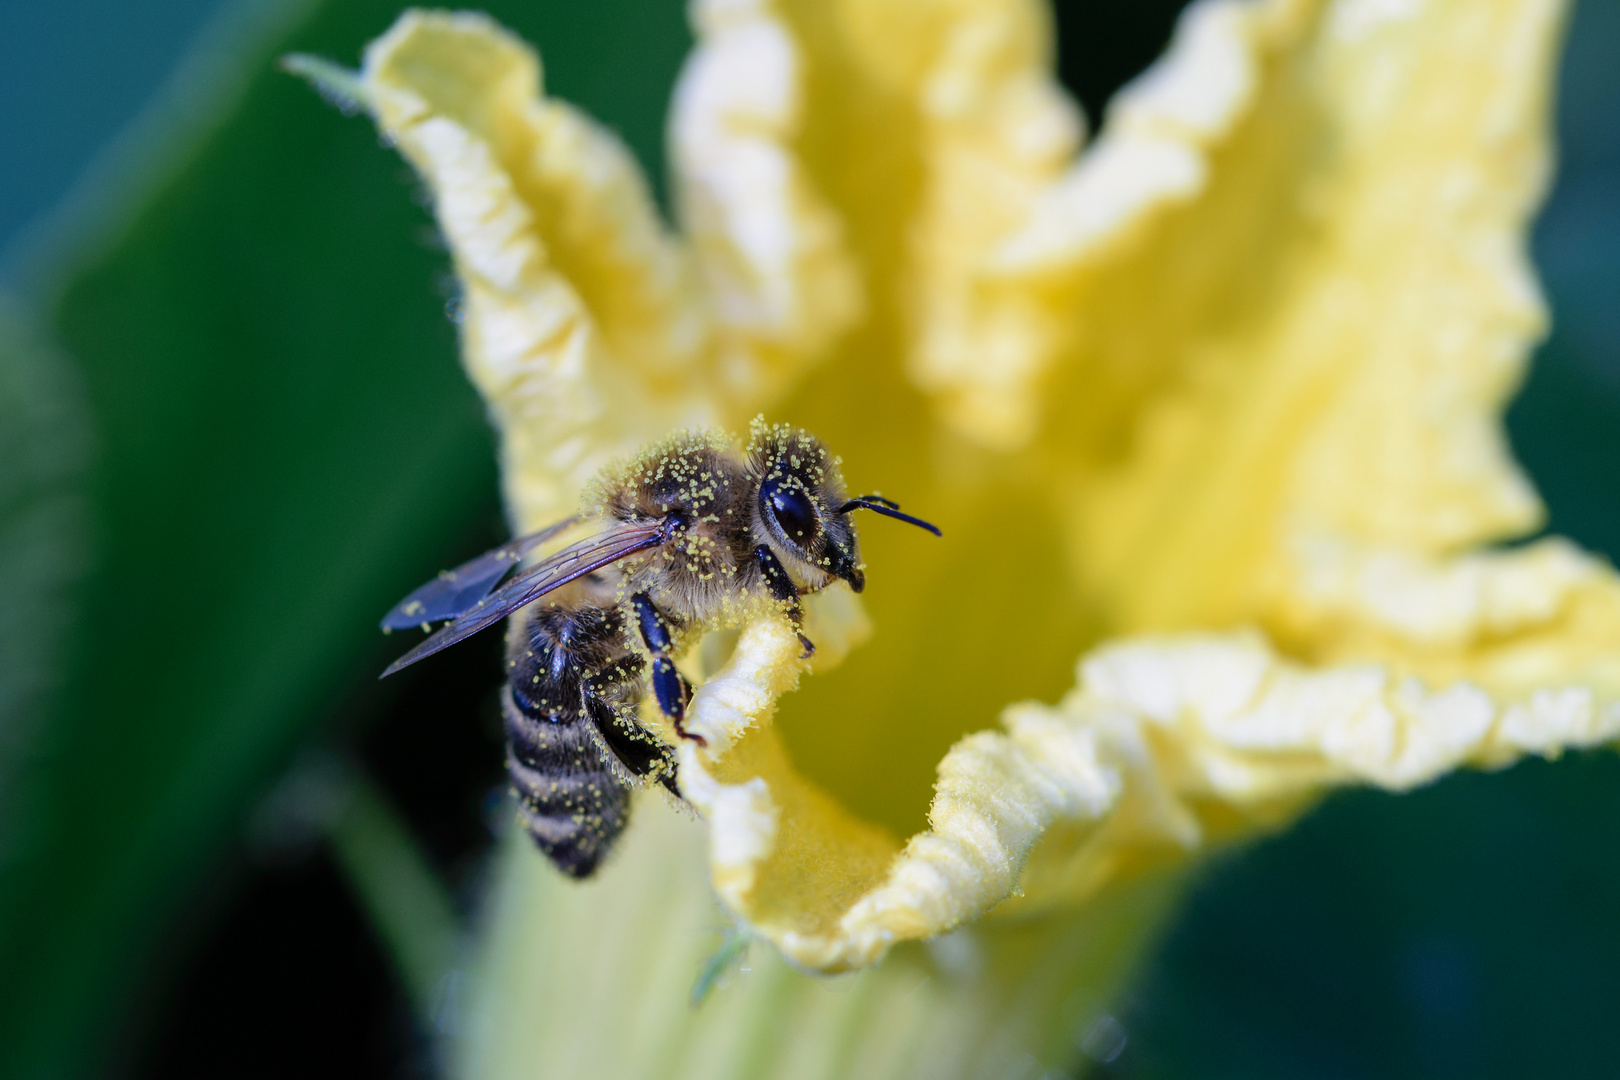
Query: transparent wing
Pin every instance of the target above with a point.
(553, 572)
(456, 592)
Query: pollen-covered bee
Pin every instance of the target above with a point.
(689, 535)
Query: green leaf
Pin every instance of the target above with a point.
(284, 444)
(44, 448)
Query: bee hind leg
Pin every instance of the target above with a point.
(669, 685)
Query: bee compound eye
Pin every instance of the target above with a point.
(795, 514)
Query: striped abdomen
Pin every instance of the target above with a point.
(573, 745)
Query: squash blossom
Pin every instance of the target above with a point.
(1209, 411)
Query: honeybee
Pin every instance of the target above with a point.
(689, 534)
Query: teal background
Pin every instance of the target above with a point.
(232, 432)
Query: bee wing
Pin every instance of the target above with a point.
(553, 572)
(456, 592)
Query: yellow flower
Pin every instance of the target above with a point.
(1212, 405)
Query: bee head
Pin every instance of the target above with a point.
(801, 497)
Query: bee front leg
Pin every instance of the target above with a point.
(669, 685)
(783, 589)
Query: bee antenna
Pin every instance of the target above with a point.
(888, 508)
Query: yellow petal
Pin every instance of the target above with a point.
(771, 252)
(587, 327)
(578, 322)
(1165, 746)
(1024, 280)
(928, 128)
(992, 131)
(1238, 737)
(911, 115)
(1314, 328)
(1512, 622)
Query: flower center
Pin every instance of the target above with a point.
(964, 625)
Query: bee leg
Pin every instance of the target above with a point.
(669, 685)
(671, 783)
(783, 589)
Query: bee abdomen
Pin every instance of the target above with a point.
(573, 819)
(569, 798)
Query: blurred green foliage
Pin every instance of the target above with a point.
(283, 444)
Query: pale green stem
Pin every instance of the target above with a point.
(404, 899)
(593, 980)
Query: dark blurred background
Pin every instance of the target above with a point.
(192, 554)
